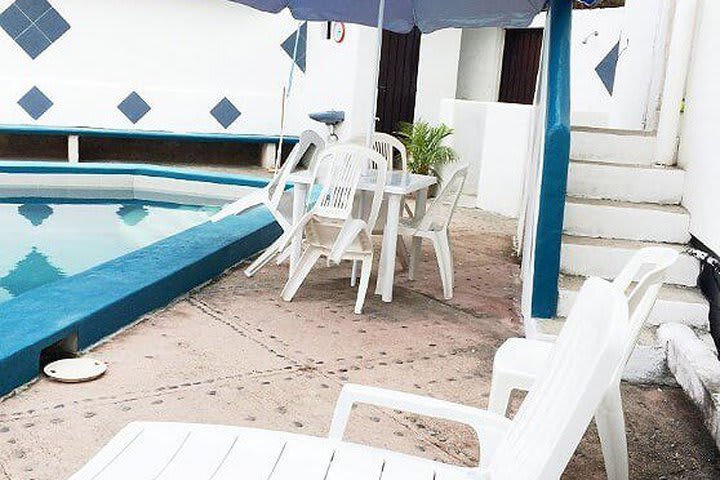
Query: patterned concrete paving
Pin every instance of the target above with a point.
(233, 353)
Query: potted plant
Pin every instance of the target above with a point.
(425, 148)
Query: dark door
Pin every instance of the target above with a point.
(397, 84)
(521, 62)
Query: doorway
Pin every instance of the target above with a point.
(397, 84)
(521, 62)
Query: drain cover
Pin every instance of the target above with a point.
(74, 370)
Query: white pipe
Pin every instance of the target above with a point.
(675, 79)
(378, 54)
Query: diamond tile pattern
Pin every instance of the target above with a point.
(33, 24)
(289, 46)
(225, 112)
(607, 67)
(134, 107)
(35, 103)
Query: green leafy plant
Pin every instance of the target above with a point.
(424, 144)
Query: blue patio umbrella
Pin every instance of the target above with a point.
(403, 15)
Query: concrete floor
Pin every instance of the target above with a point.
(234, 353)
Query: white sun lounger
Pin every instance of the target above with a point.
(537, 444)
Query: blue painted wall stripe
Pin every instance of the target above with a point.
(148, 134)
(555, 163)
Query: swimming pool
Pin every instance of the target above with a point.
(45, 240)
(87, 249)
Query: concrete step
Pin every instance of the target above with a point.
(647, 363)
(675, 304)
(696, 368)
(600, 257)
(626, 147)
(625, 220)
(629, 183)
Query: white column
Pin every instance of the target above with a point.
(267, 155)
(675, 80)
(73, 148)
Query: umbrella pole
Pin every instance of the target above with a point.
(285, 96)
(378, 57)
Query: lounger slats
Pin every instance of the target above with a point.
(355, 463)
(173, 451)
(148, 455)
(303, 460)
(402, 468)
(200, 456)
(253, 456)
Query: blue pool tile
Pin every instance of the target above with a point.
(53, 25)
(225, 112)
(33, 8)
(35, 103)
(33, 42)
(13, 21)
(134, 107)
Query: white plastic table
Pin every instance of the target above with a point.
(176, 451)
(398, 186)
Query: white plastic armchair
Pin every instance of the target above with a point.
(271, 195)
(434, 225)
(520, 361)
(329, 227)
(539, 442)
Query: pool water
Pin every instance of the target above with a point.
(42, 241)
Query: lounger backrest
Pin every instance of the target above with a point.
(387, 146)
(441, 211)
(558, 409)
(346, 165)
(310, 143)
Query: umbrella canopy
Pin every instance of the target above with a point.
(402, 15)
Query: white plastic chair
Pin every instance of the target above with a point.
(520, 361)
(388, 146)
(434, 226)
(271, 195)
(329, 227)
(536, 445)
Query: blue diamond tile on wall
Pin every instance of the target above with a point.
(33, 8)
(33, 41)
(53, 25)
(33, 24)
(289, 46)
(13, 21)
(134, 107)
(225, 112)
(35, 103)
(607, 67)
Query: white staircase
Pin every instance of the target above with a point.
(619, 201)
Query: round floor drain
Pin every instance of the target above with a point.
(74, 370)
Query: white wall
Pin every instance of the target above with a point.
(699, 139)
(182, 57)
(437, 72)
(493, 139)
(643, 48)
(481, 54)
(590, 100)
